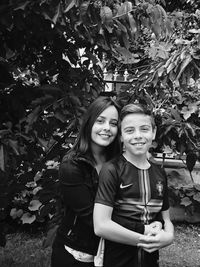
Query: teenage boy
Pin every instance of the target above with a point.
(132, 197)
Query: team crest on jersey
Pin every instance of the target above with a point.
(159, 187)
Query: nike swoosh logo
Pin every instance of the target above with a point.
(125, 186)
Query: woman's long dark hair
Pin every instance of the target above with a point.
(82, 144)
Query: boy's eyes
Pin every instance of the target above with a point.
(131, 130)
(145, 129)
(113, 123)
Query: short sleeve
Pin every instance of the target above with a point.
(108, 185)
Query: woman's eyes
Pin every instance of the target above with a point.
(113, 123)
(101, 121)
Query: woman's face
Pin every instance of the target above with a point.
(105, 128)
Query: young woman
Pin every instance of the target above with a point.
(76, 244)
(132, 195)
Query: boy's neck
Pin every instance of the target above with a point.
(141, 162)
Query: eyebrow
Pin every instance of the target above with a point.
(128, 127)
(132, 127)
(103, 117)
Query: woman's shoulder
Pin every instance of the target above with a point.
(75, 160)
(74, 169)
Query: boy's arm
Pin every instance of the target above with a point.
(168, 226)
(162, 239)
(108, 229)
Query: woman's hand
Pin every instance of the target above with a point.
(153, 228)
(153, 243)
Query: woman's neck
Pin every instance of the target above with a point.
(99, 159)
(99, 156)
(140, 162)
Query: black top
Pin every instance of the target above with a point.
(78, 184)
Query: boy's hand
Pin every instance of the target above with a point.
(153, 243)
(153, 228)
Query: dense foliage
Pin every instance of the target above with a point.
(51, 69)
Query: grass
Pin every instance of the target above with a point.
(24, 251)
(185, 250)
(21, 250)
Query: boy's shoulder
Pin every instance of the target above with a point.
(116, 163)
(156, 165)
(119, 159)
(155, 162)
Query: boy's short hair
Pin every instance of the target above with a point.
(137, 109)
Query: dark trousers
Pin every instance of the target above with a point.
(120, 255)
(60, 257)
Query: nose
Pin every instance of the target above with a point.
(107, 126)
(137, 134)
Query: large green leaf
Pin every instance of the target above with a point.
(16, 213)
(184, 64)
(69, 4)
(32, 117)
(14, 145)
(83, 10)
(56, 14)
(191, 159)
(46, 210)
(197, 187)
(22, 5)
(34, 205)
(197, 197)
(186, 201)
(28, 218)
(106, 14)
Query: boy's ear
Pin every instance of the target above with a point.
(154, 132)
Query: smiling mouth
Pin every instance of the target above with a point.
(105, 135)
(138, 144)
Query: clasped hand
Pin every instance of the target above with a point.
(155, 238)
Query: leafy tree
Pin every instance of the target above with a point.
(51, 68)
(45, 87)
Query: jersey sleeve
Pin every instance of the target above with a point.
(108, 185)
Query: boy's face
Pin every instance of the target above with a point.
(137, 133)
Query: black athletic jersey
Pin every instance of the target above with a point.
(136, 195)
